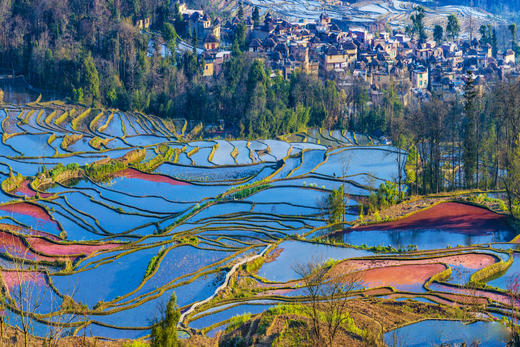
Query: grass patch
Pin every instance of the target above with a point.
(154, 262)
(255, 265)
(237, 321)
(12, 182)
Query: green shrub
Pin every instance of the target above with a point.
(136, 343)
(164, 333)
(255, 265)
(154, 261)
(237, 321)
(12, 182)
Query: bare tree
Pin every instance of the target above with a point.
(327, 293)
(27, 296)
(513, 291)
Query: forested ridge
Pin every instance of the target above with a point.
(91, 52)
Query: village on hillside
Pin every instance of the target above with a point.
(370, 53)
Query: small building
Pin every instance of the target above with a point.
(209, 69)
(143, 23)
(420, 78)
(509, 57)
(211, 42)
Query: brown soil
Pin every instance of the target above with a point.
(449, 215)
(376, 316)
(463, 299)
(502, 298)
(14, 337)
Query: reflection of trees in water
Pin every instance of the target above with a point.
(18, 91)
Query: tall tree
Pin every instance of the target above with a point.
(164, 332)
(453, 26)
(470, 131)
(438, 34)
(240, 12)
(513, 30)
(90, 78)
(256, 16)
(418, 25)
(484, 34)
(327, 305)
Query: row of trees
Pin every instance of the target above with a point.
(471, 141)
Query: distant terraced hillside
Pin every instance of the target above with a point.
(394, 12)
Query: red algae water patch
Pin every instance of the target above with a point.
(22, 230)
(502, 298)
(463, 299)
(469, 260)
(132, 173)
(15, 278)
(16, 247)
(404, 275)
(51, 248)
(26, 190)
(29, 210)
(447, 216)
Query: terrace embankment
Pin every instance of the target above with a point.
(374, 316)
(447, 216)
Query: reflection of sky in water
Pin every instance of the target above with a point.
(424, 239)
(510, 276)
(297, 252)
(460, 274)
(435, 332)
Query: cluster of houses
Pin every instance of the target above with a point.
(353, 53)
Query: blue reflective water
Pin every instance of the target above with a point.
(436, 332)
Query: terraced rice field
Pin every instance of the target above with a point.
(105, 214)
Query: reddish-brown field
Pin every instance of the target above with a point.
(400, 275)
(22, 230)
(26, 190)
(468, 260)
(14, 245)
(28, 209)
(50, 248)
(132, 173)
(15, 278)
(502, 298)
(449, 215)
